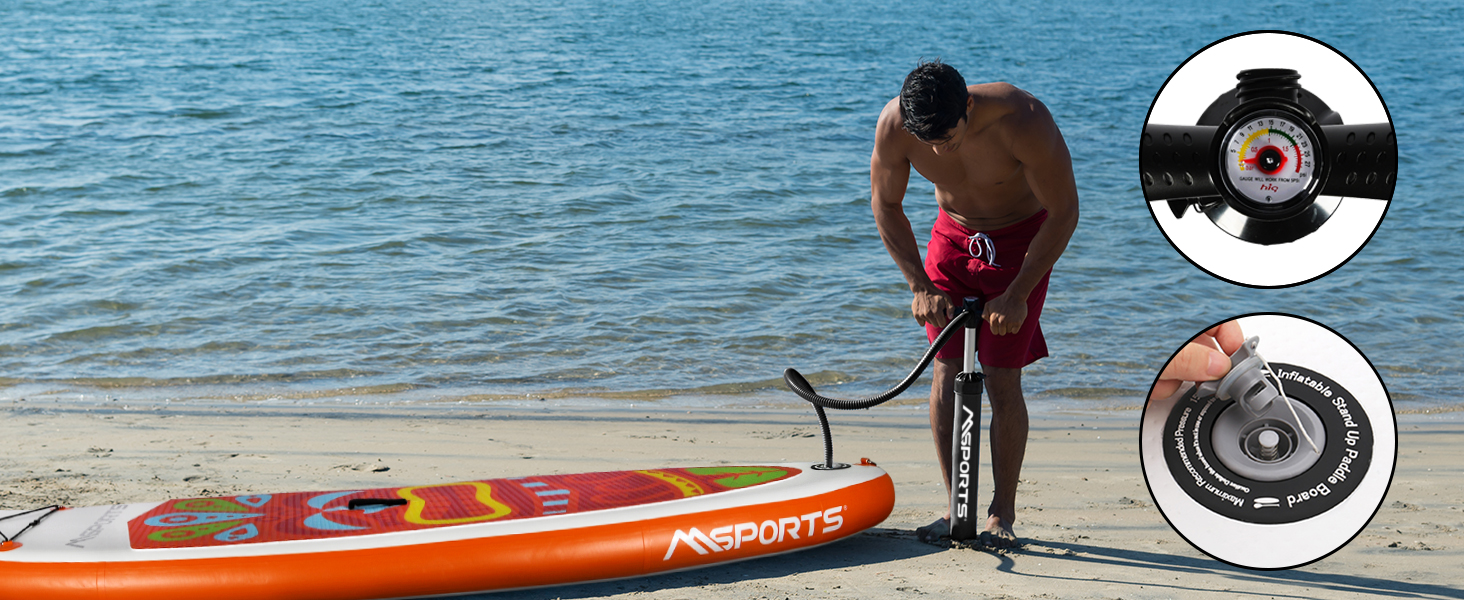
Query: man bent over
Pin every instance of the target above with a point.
(1008, 205)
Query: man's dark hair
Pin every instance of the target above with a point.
(933, 100)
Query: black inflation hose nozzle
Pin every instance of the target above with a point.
(800, 385)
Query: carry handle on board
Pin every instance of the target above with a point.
(966, 433)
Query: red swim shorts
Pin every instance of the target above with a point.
(966, 263)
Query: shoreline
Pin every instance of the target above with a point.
(429, 399)
(1090, 527)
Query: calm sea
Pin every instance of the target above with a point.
(619, 200)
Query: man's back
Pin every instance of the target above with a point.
(978, 181)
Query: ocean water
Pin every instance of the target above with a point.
(622, 200)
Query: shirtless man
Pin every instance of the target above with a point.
(1008, 205)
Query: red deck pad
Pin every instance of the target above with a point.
(260, 518)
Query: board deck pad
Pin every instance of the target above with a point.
(257, 518)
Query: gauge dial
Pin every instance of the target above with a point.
(1269, 159)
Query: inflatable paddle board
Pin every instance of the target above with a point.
(439, 539)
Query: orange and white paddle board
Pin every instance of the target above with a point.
(438, 539)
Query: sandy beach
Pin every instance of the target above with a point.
(1090, 527)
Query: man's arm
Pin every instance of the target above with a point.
(889, 174)
(1039, 146)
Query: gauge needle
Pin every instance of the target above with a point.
(1253, 161)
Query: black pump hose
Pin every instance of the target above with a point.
(800, 386)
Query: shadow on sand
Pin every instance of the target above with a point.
(1271, 584)
(1127, 567)
(877, 545)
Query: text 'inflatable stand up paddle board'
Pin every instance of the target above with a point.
(1278, 463)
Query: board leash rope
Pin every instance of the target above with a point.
(45, 511)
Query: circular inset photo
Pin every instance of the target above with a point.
(1268, 159)
(1281, 461)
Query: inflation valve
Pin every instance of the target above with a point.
(1268, 443)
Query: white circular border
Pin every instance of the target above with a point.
(1327, 74)
(1303, 343)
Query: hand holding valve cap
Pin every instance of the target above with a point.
(1247, 384)
(1204, 358)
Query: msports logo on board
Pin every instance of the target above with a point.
(731, 537)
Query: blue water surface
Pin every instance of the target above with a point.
(620, 199)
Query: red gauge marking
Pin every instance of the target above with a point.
(1256, 160)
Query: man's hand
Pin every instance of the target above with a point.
(932, 306)
(1005, 313)
(1207, 358)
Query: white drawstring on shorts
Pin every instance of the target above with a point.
(980, 246)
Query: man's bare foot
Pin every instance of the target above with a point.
(937, 533)
(999, 534)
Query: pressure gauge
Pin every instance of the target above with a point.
(1261, 155)
(1269, 159)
